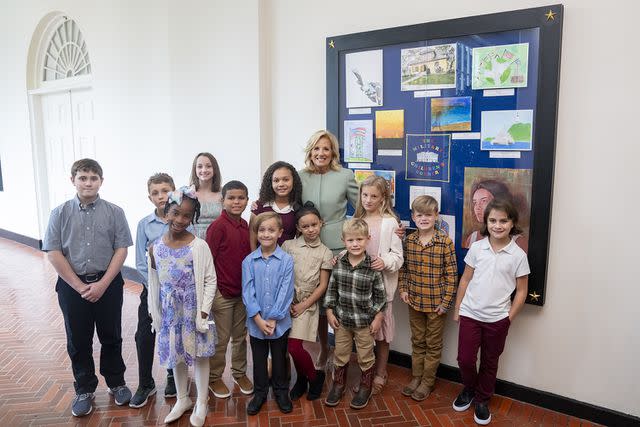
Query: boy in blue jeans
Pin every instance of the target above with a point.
(86, 242)
(149, 229)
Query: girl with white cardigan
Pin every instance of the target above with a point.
(385, 250)
(182, 284)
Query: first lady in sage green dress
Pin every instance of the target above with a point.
(330, 187)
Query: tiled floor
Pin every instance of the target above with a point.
(36, 382)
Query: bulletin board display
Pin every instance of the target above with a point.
(463, 110)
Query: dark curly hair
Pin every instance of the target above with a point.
(196, 207)
(266, 188)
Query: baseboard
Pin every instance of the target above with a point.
(25, 240)
(554, 402)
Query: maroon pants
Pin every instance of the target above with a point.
(490, 339)
(301, 359)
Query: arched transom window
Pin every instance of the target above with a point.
(67, 54)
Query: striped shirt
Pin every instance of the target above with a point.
(355, 294)
(429, 274)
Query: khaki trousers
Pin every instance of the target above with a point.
(426, 344)
(364, 347)
(230, 316)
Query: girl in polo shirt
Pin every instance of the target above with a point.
(495, 267)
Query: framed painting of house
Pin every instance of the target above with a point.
(464, 110)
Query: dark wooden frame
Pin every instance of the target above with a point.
(548, 20)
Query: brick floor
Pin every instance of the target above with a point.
(36, 382)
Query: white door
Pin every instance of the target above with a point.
(83, 121)
(68, 129)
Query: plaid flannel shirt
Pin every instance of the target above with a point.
(355, 294)
(429, 273)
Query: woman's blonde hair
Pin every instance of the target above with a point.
(335, 151)
(383, 187)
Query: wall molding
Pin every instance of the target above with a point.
(25, 240)
(551, 401)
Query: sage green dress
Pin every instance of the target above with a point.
(330, 192)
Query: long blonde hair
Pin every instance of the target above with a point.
(335, 151)
(383, 187)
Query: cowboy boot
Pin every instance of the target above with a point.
(337, 388)
(361, 398)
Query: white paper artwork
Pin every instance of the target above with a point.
(358, 141)
(418, 190)
(447, 223)
(363, 77)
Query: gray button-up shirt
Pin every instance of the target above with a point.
(87, 235)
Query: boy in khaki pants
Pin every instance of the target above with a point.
(355, 301)
(428, 284)
(228, 239)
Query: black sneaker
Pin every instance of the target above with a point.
(170, 389)
(284, 403)
(82, 405)
(121, 394)
(142, 396)
(482, 415)
(463, 401)
(253, 407)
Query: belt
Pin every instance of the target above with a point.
(92, 277)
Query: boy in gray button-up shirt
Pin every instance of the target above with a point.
(87, 240)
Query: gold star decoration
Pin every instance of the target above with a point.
(332, 45)
(534, 296)
(551, 15)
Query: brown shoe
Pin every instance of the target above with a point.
(219, 389)
(245, 384)
(363, 395)
(422, 392)
(337, 388)
(412, 386)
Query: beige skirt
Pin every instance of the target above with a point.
(305, 326)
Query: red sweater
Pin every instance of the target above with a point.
(228, 240)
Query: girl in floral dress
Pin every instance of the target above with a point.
(182, 284)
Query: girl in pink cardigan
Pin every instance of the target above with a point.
(385, 249)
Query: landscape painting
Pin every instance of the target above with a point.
(509, 130)
(390, 129)
(428, 67)
(499, 67)
(451, 114)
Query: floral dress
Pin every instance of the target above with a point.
(178, 339)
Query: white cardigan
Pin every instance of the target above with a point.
(390, 251)
(206, 284)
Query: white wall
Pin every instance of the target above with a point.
(174, 78)
(214, 87)
(584, 343)
(131, 89)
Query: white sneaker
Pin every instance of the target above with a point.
(182, 405)
(199, 414)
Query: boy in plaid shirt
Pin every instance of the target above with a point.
(428, 284)
(355, 301)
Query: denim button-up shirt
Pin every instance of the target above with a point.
(267, 288)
